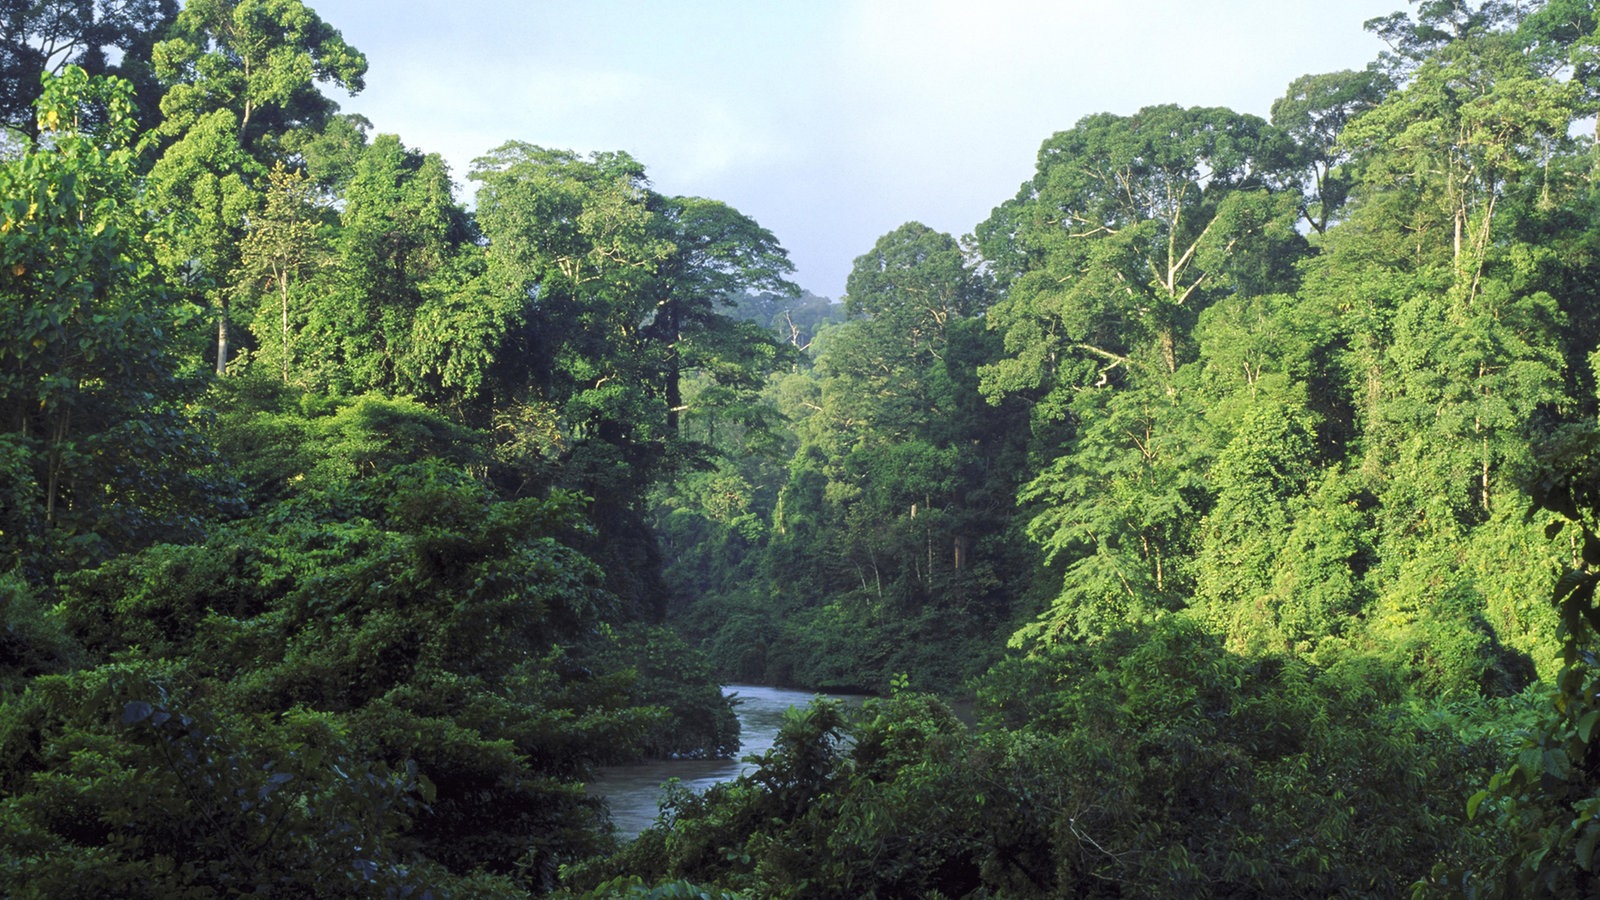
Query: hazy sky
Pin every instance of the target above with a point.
(831, 122)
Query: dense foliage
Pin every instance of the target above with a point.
(1240, 472)
(1158, 764)
(360, 612)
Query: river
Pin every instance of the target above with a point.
(633, 792)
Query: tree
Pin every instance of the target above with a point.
(1116, 510)
(1442, 280)
(912, 285)
(718, 253)
(1438, 24)
(895, 451)
(413, 712)
(1129, 228)
(259, 59)
(878, 371)
(1547, 799)
(1464, 341)
(98, 454)
(622, 288)
(795, 320)
(1256, 481)
(240, 76)
(886, 527)
(1132, 228)
(376, 323)
(609, 295)
(573, 249)
(203, 191)
(1280, 558)
(281, 245)
(1314, 114)
(1477, 121)
(102, 37)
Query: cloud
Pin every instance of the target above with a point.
(830, 121)
(683, 131)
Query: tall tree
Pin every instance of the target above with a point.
(1131, 228)
(1477, 120)
(282, 244)
(887, 538)
(240, 76)
(400, 230)
(574, 240)
(1131, 225)
(1443, 283)
(203, 190)
(259, 59)
(1453, 164)
(625, 288)
(611, 294)
(1436, 25)
(1314, 113)
(718, 253)
(912, 285)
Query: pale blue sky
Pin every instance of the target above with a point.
(831, 122)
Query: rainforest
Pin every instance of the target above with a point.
(1220, 517)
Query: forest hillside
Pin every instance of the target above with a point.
(1236, 479)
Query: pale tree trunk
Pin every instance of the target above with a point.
(222, 339)
(283, 294)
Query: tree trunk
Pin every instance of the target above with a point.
(1486, 508)
(222, 338)
(283, 293)
(674, 366)
(58, 437)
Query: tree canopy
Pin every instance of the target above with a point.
(1217, 518)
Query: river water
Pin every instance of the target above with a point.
(634, 792)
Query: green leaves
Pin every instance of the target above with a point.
(251, 804)
(560, 222)
(1093, 762)
(384, 651)
(86, 361)
(281, 245)
(1112, 223)
(1546, 800)
(258, 58)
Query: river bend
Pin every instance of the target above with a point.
(634, 792)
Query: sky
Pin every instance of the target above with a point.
(830, 122)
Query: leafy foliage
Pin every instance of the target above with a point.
(1547, 799)
(1150, 764)
(102, 37)
(87, 374)
(1227, 428)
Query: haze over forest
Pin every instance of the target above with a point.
(1238, 472)
(831, 123)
